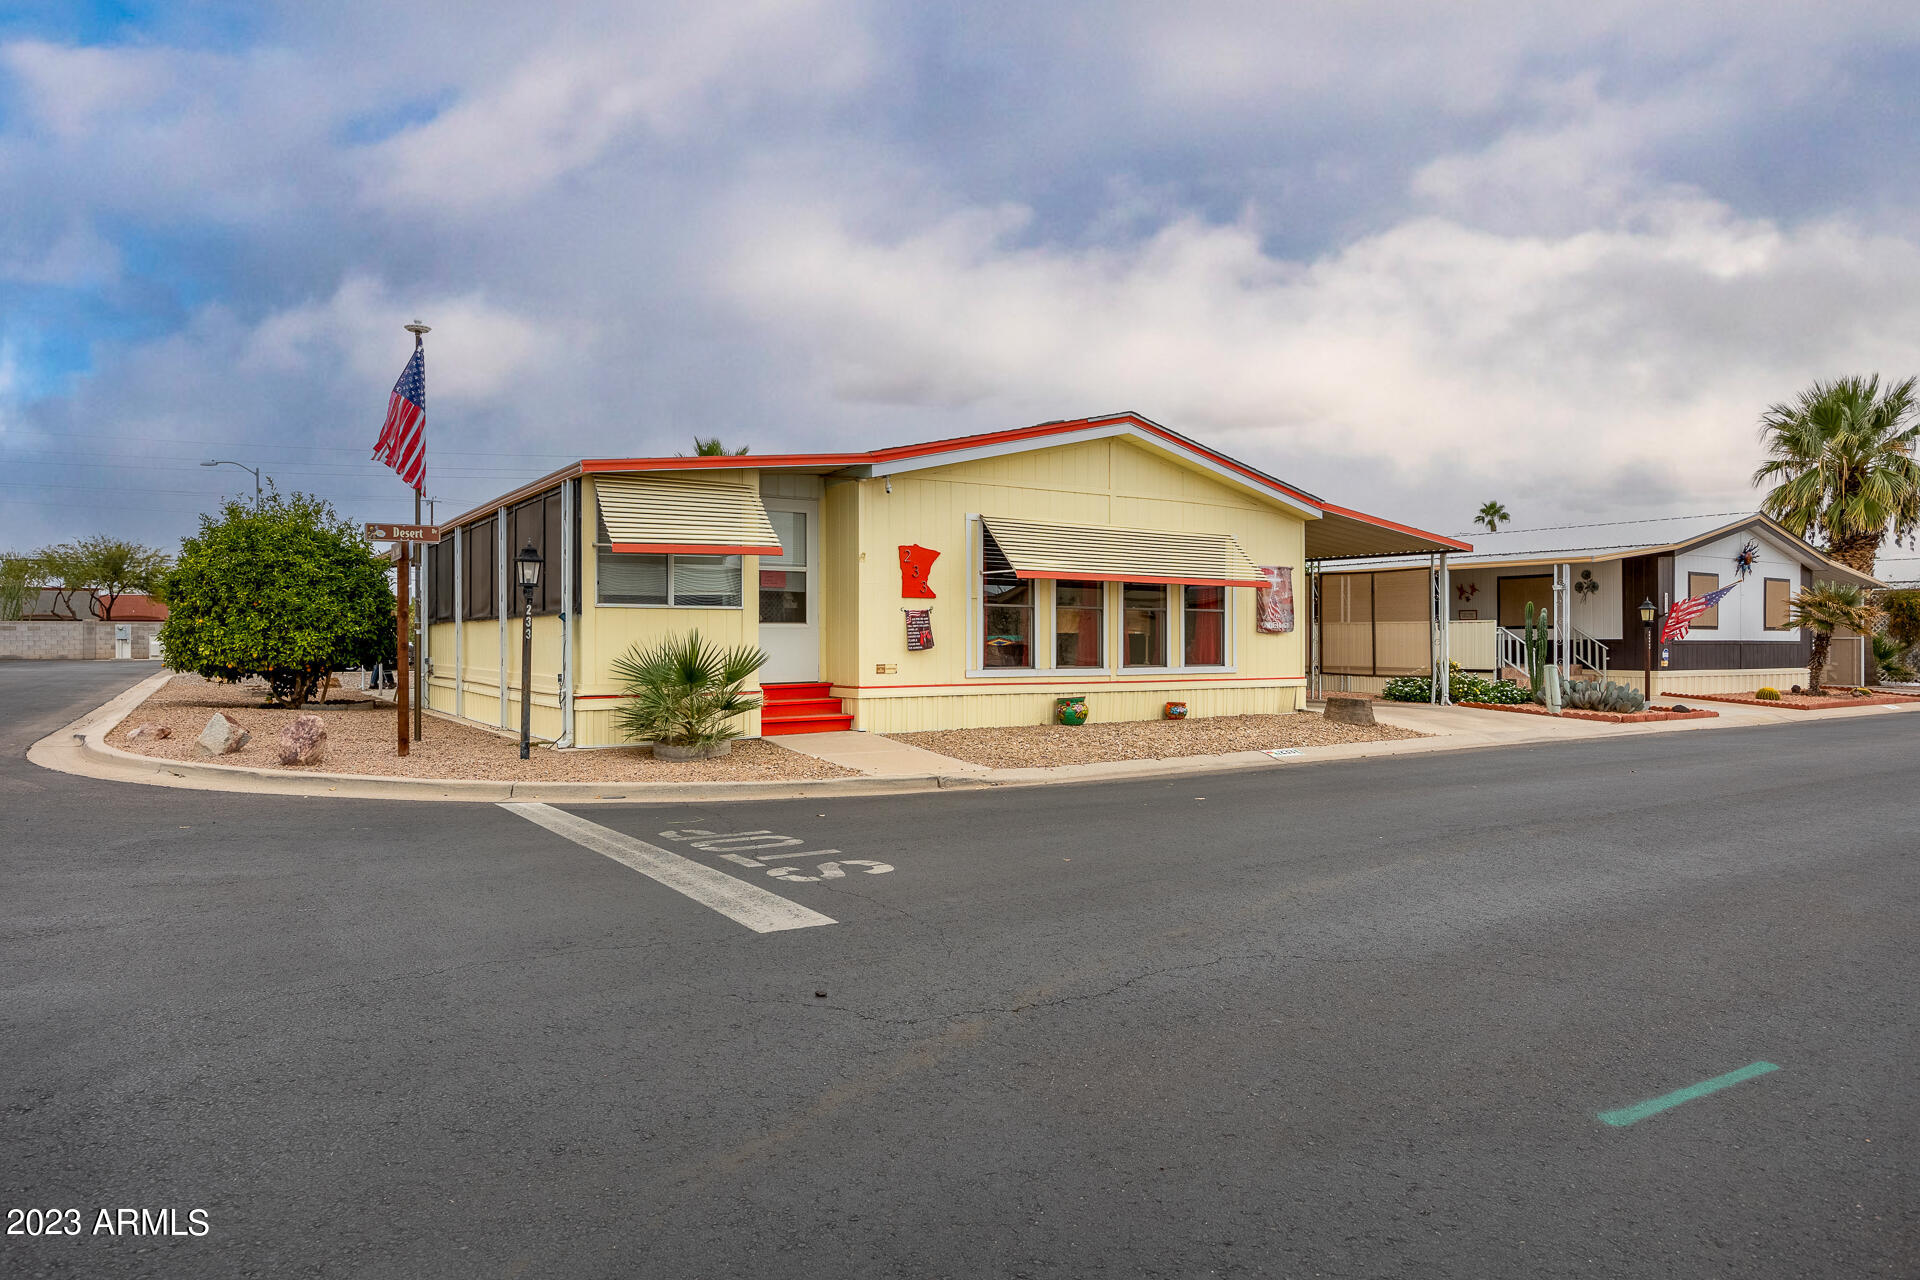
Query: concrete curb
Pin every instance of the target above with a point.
(81, 748)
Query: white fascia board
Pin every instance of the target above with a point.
(1098, 431)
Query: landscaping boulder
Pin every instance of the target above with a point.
(303, 740)
(150, 732)
(1347, 709)
(223, 735)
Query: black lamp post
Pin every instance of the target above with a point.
(528, 564)
(1646, 620)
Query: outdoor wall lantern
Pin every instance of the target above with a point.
(527, 563)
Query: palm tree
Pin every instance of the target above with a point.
(1827, 607)
(1491, 515)
(712, 448)
(1841, 459)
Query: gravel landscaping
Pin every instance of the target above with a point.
(360, 739)
(1806, 702)
(1040, 745)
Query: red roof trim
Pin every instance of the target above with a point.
(689, 549)
(957, 444)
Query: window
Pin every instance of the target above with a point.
(1009, 621)
(440, 580)
(538, 521)
(477, 556)
(710, 582)
(1079, 620)
(1144, 624)
(783, 578)
(1779, 604)
(1699, 584)
(1206, 626)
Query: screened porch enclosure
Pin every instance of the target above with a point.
(1376, 624)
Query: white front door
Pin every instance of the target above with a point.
(790, 594)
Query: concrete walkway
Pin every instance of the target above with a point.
(874, 754)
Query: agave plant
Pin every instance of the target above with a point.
(684, 692)
(1598, 695)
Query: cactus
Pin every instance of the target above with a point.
(1598, 695)
(1536, 641)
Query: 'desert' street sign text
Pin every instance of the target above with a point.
(424, 534)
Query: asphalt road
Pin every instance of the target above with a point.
(1351, 1019)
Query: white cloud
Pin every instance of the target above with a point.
(1571, 360)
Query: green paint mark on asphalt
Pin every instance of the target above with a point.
(1652, 1106)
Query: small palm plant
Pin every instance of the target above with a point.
(1826, 608)
(1491, 516)
(1892, 663)
(684, 694)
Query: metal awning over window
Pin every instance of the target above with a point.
(687, 516)
(1101, 553)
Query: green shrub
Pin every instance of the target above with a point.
(1462, 686)
(280, 588)
(684, 692)
(1768, 694)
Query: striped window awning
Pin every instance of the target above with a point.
(1101, 553)
(690, 516)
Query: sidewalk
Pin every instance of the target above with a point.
(887, 766)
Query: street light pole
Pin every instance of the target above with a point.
(227, 462)
(528, 563)
(1646, 621)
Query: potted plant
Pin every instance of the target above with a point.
(684, 695)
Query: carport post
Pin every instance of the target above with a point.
(1445, 612)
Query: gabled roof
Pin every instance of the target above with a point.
(1331, 530)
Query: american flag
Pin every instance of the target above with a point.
(1681, 616)
(403, 436)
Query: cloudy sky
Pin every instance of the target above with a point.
(1409, 256)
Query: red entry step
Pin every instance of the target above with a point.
(801, 708)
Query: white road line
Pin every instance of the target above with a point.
(738, 901)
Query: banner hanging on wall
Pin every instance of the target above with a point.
(919, 629)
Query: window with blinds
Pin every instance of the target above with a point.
(650, 578)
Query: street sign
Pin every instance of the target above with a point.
(420, 534)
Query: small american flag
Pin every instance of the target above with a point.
(1681, 616)
(403, 436)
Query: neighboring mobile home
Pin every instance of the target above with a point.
(1106, 557)
(1592, 580)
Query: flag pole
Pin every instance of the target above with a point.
(420, 332)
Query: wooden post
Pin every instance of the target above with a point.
(401, 654)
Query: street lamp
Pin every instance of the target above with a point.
(225, 462)
(1646, 620)
(527, 563)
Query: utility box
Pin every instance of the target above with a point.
(123, 640)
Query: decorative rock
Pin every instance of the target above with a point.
(150, 732)
(1347, 709)
(303, 740)
(223, 735)
(667, 751)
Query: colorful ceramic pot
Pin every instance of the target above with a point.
(1071, 710)
(1175, 711)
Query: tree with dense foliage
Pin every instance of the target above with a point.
(21, 577)
(104, 568)
(1826, 608)
(283, 589)
(712, 448)
(1491, 516)
(1902, 608)
(1841, 462)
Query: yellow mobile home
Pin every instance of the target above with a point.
(952, 584)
